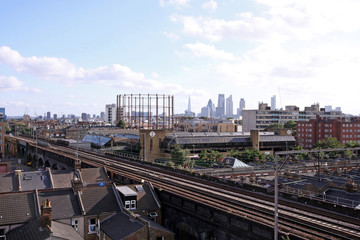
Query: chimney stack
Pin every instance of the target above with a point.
(46, 214)
(77, 182)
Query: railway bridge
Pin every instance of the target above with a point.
(195, 208)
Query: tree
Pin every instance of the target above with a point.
(274, 126)
(292, 125)
(330, 142)
(121, 124)
(179, 155)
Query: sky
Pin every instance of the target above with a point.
(69, 57)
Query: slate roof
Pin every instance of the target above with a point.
(64, 231)
(97, 200)
(119, 226)
(62, 179)
(35, 180)
(9, 182)
(17, 208)
(145, 199)
(63, 202)
(34, 231)
(158, 227)
(94, 176)
(29, 231)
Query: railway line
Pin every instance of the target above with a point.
(295, 219)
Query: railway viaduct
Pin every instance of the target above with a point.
(188, 218)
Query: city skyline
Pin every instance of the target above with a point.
(74, 57)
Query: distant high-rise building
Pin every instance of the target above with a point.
(241, 107)
(2, 114)
(211, 107)
(229, 107)
(102, 115)
(84, 117)
(273, 102)
(48, 115)
(94, 115)
(205, 112)
(55, 116)
(189, 105)
(188, 112)
(110, 113)
(220, 109)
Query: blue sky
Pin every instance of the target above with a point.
(76, 56)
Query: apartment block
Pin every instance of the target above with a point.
(263, 116)
(345, 129)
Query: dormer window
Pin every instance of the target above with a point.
(130, 205)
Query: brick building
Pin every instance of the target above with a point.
(344, 129)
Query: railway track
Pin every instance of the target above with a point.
(294, 219)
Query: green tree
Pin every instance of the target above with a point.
(269, 158)
(352, 144)
(292, 125)
(179, 155)
(170, 164)
(215, 156)
(274, 126)
(330, 142)
(121, 124)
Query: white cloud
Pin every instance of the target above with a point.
(155, 75)
(210, 5)
(172, 36)
(61, 70)
(177, 3)
(13, 84)
(186, 69)
(201, 49)
(282, 21)
(10, 83)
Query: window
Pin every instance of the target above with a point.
(75, 225)
(92, 225)
(127, 204)
(133, 204)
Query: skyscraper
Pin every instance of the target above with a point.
(189, 105)
(273, 102)
(220, 109)
(84, 117)
(48, 115)
(211, 107)
(229, 107)
(241, 107)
